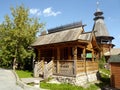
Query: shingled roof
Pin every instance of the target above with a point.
(100, 28)
(99, 25)
(71, 34)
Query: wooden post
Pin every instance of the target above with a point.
(45, 76)
(38, 54)
(84, 54)
(58, 58)
(75, 59)
(84, 57)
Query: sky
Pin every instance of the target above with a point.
(55, 13)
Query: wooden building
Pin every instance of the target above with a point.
(115, 70)
(70, 54)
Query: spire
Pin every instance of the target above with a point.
(98, 14)
(97, 3)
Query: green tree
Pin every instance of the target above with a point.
(18, 31)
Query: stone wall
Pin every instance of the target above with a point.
(78, 80)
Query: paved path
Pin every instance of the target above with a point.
(8, 80)
(29, 80)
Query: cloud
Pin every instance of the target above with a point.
(49, 12)
(35, 11)
(45, 12)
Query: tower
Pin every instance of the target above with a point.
(103, 38)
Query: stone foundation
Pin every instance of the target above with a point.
(78, 80)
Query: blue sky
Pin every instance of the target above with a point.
(60, 12)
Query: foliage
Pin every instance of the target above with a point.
(65, 86)
(24, 74)
(105, 71)
(17, 32)
(102, 62)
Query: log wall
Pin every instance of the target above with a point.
(115, 75)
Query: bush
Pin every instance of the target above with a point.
(102, 62)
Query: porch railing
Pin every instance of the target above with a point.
(64, 67)
(91, 66)
(80, 67)
(67, 67)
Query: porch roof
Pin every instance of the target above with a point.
(63, 36)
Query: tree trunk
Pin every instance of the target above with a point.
(14, 63)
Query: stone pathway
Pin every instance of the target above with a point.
(8, 80)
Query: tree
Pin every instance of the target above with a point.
(17, 34)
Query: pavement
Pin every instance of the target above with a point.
(8, 80)
(30, 80)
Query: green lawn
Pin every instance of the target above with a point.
(24, 74)
(66, 86)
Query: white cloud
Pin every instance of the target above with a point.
(46, 12)
(49, 12)
(35, 11)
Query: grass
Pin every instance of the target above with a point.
(105, 80)
(24, 74)
(66, 86)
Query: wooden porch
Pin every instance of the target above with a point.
(66, 60)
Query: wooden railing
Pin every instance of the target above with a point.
(54, 67)
(91, 66)
(38, 70)
(50, 68)
(65, 67)
(80, 67)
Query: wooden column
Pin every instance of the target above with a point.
(84, 54)
(75, 59)
(38, 54)
(58, 58)
(84, 57)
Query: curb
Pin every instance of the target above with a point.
(23, 85)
